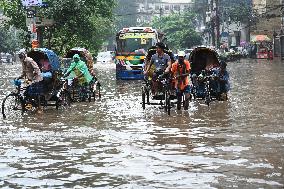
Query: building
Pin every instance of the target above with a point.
(220, 29)
(149, 9)
(268, 21)
(269, 17)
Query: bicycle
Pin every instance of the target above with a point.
(21, 101)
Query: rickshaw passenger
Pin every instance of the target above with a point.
(223, 78)
(162, 62)
(198, 82)
(81, 71)
(181, 70)
(151, 51)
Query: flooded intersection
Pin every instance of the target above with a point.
(113, 143)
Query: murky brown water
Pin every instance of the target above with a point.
(113, 143)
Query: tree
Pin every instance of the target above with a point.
(9, 39)
(179, 29)
(237, 11)
(82, 23)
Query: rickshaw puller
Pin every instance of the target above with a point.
(162, 62)
(32, 73)
(83, 76)
(181, 70)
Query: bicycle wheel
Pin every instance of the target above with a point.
(12, 106)
(208, 96)
(168, 103)
(148, 96)
(143, 98)
(64, 100)
(99, 90)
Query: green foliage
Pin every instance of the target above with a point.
(237, 11)
(83, 23)
(9, 39)
(179, 29)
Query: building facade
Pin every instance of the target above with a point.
(268, 17)
(150, 9)
(269, 21)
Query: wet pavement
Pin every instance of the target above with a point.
(113, 143)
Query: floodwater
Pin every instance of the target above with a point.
(113, 143)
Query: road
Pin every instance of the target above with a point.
(113, 143)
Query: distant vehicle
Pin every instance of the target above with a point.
(187, 53)
(105, 57)
(6, 58)
(131, 46)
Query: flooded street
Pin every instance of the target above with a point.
(113, 143)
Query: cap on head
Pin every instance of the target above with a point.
(76, 56)
(21, 53)
(181, 54)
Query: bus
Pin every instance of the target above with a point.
(131, 46)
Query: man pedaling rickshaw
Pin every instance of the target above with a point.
(33, 77)
(162, 63)
(181, 70)
(83, 77)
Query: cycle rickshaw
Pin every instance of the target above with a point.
(51, 91)
(204, 82)
(81, 93)
(161, 94)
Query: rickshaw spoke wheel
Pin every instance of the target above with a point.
(143, 98)
(168, 103)
(64, 100)
(12, 106)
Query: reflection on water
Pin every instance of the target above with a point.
(113, 143)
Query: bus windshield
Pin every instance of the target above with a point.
(134, 45)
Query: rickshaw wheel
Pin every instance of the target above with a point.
(148, 96)
(11, 104)
(63, 101)
(207, 101)
(167, 103)
(143, 98)
(89, 97)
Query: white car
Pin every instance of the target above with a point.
(105, 57)
(6, 58)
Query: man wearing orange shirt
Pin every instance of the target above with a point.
(181, 70)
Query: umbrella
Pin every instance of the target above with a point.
(260, 38)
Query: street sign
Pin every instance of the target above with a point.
(31, 13)
(224, 37)
(32, 3)
(43, 21)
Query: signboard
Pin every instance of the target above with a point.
(31, 13)
(137, 35)
(43, 22)
(32, 3)
(224, 38)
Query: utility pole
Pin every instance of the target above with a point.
(212, 22)
(161, 14)
(217, 23)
